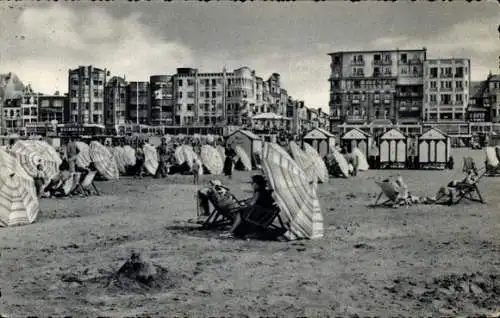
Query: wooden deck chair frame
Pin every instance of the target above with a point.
(264, 220)
(491, 171)
(469, 191)
(389, 192)
(87, 184)
(223, 215)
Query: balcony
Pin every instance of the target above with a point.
(358, 63)
(382, 62)
(415, 61)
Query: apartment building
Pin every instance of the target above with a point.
(484, 101)
(162, 100)
(86, 85)
(51, 107)
(11, 88)
(214, 98)
(138, 108)
(446, 89)
(29, 106)
(369, 85)
(493, 94)
(20, 109)
(115, 96)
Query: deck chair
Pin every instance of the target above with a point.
(468, 191)
(396, 194)
(223, 213)
(263, 221)
(86, 186)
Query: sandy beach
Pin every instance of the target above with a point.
(422, 260)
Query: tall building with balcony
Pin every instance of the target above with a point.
(214, 98)
(138, 103)
(29, 106)
(162, 100)
(493, 99)
(446, 86)
(115, 96)
(86, 95)
(51, 107)
(369, 85)
(12, 115)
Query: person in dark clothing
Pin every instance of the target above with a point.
(262, 200)
(139, 160)
(228, 162)
(163, 155)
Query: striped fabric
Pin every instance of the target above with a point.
(222, 152)
(83, 158)
(245, 159)
(303, 161)
(31, 152)
(362, 162)
(129, 155)
(104, 161)
(341, 162)
(179, 155)
(121, 161)
(151, 158)
(319, 163)
(211, 159)
(297, 199)
(18, 204)
(11, 164)
(190, 155)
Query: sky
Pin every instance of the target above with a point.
(41, 42)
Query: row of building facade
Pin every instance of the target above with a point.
(405, 87)
(186, 98)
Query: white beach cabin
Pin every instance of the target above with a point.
(356, 138)
(434, 149)
(321, 140)
(249, 141)
(393, 146)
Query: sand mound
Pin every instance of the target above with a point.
(453, 293)
(137, 275)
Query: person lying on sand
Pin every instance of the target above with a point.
(446, 195)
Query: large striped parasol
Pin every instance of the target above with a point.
(151, 158)
(222, 152)
(11, 164)
(83, 158)
(362, 162)
(190, 155)
(211, 159)
(179, 154)
(120, 159)
(103, 160)
(18, 203)
(303, 161)
(297, 199)
(30, 153)
(341, 162)
(319, 164)
(129, 155)
(244, 158)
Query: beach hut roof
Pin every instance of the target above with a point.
(355, 134)
(393, 134)
(247, 133)
(318, 133)
(433, 134)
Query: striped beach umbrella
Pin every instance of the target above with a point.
(190, 155)
(243, 157)
(129, 155)
(83, 158)
(362, 162)
(30, 153)
(120, 160)
(104, 161)
(298, 200)
(341, 162)
(18, 203)
(10, 163)
(179, 155)
(319, 163)
(211, 159)
(151, 158)
(303, 161)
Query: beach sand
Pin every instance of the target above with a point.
(412, 261)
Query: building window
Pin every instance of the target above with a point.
(179, 83)
(404, 58)
(459, 72)
(433, 72)
(190, 94)
(404, 70)
(180, 94)
(190, 107)
(459, 98)
(190, 82)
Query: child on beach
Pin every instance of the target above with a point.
(195, 169)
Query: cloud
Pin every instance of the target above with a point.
(58, 38)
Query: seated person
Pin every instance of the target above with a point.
(84, 172)
(215, 192)
(261, 201)
(57, 182)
